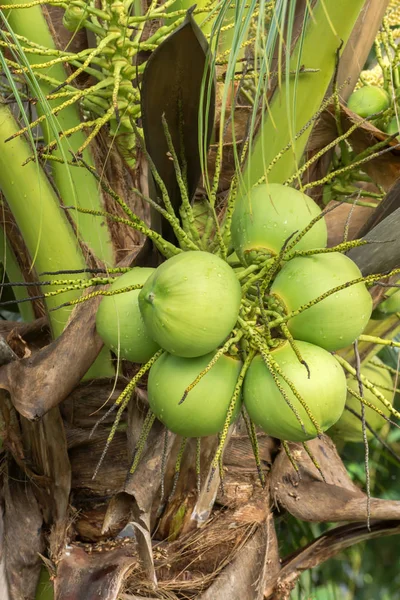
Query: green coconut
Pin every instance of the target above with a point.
(191, 303)
(349, 427)
(334, 322)
(368, 100)
(389, 306)
(265, 218)
(119, 322)
(204, 410)
(74, 18)
(393, 127)
(324, 392)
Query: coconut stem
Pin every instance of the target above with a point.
(122, 401)
(294, 347)
(212, 362)
(347, 367)
(314, 460)
(344, 247)
(185, 208)
(144, 434)
(365, 402)
(291, 458)
(177, 468)
(198, 465)
(377, 340)
(92, 295)
(166, 248)
(229, 415)
(251, 432)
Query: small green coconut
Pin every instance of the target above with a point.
(119, 322)
(393, 126)
(204, 410)
(334, 322)
(191, 303)
(349, 427)
(324, 392)
(74, 18)
(368, 100)
(265, 218)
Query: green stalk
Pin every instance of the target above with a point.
(45, 588)
(11, 267)
(199, 18)
(300, 96)
(74, 184)
(48, 236)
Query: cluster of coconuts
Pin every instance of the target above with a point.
(261, 224)
(187, 306)
(369, 100)
(194, 302)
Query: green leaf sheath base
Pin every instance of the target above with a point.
(44, 227)
(298, 99)
(75, 185)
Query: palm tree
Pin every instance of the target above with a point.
(128, 131)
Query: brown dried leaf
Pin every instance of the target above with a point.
(326, 546)
(383, 254)
(6, 353)
(40, 382)
(257, 562)
(119, 510)
(23, 536)
(46, 448)
(144, 485)
(195, 559)
(311, 499)
(36, 334)
(112, 473)
(384, 169)
(3, 577)
(97, 575)
(241, 479)
(345, 215)
(18, 345)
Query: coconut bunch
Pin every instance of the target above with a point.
(256, 329)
